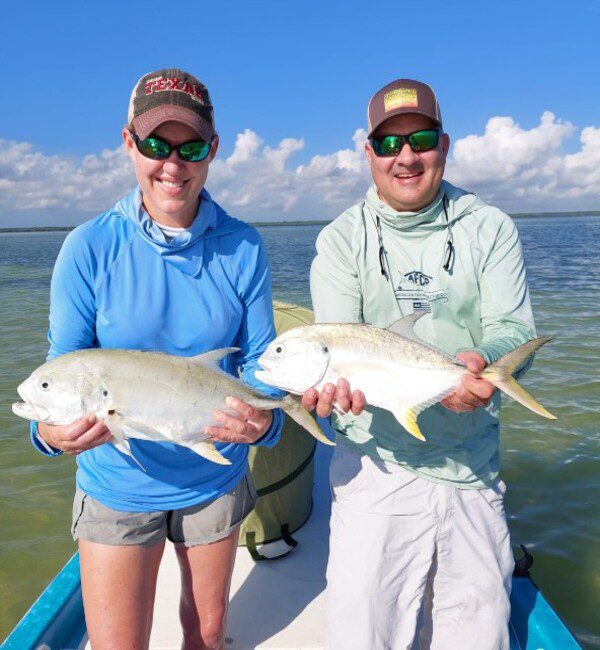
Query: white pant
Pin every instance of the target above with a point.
(412, 563)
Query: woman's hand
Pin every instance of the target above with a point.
(246, 425)
(84, 434)
(473, 391)
(330, 395)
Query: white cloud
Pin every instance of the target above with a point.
(525, 169)
(33, 183)
(513, 167)
(262, 183)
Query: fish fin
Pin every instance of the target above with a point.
(114, 422)
(207, 450)
(134, 429)
(293, 407)
(405, 326)
(145, 432)
(212, 357)
(407, 416)
(500, 372)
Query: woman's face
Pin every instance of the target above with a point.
(171, 187)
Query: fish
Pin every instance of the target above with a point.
(394, 369)
(146, 395)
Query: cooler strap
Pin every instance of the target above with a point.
(259, 557)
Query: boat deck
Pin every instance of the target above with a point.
(274, 604)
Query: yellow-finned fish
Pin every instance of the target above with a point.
(392, 367)
(147, 395)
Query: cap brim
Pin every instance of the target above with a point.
(402, 111)
(147, 122)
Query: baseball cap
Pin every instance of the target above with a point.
(170, 95)
(402, 96)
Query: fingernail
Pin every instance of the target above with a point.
(229, 401)
(329, 388)
(91, 418)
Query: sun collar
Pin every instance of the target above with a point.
(185, 249)
(404, 220)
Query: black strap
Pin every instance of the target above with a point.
(287, 537)
(251, 546)
(289, 478)
(523, 564)
(259, 557)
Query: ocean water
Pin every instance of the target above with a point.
(550, 467)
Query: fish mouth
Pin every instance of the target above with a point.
(267, 378)
(263, 375)
(264, 363)
(30, 411)
(266, 374)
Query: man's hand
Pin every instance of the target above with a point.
(474, 391)
(247, 424)
(331, 394)
(76, 437)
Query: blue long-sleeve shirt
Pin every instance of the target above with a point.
(120, 282)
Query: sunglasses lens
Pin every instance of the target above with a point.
(390, 145)
(153, 148)
(194, 151)
(423, 140)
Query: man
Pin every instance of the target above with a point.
(420, 552)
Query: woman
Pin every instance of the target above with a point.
(165, 269)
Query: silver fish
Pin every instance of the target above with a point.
(146, 395)
(394, 369)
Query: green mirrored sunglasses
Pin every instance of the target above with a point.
(418, 141)
(157, 149)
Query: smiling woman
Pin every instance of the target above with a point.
(166, 269)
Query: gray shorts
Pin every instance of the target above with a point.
(200, 524)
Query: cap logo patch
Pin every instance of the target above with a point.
(161, 84)
(400, 98)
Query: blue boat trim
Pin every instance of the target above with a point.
(533, 622)
(56, 617)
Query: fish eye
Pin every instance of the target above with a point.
(325, 349)
(45, 385)
(279, 349)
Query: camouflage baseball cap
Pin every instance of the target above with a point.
(402, 96)
(170, 95)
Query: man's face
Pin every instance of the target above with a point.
(171, 187)
(409, 181)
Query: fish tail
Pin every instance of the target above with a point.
(293, 407)
(500, 372)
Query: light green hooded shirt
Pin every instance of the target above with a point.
(481, 302)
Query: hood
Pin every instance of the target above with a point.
(186, 249)
(430, 218)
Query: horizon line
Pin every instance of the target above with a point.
(313, 222)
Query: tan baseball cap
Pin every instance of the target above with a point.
(402, 96)
(168, 95)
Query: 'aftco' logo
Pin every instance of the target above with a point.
(418, 278)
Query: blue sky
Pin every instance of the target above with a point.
(301, 74)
